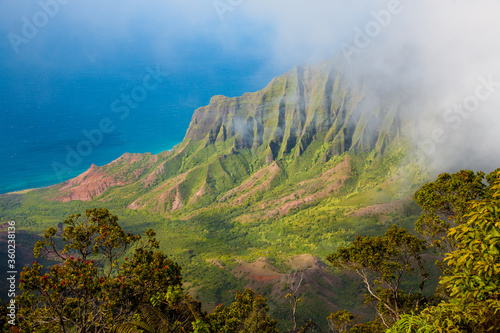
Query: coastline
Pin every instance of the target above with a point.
(59, 182)
(23, 191)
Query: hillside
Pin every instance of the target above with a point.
(292, 171)
(298, 131)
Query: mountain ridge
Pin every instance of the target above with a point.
(310, 110)
(300, 167)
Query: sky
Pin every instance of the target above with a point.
(441, 59)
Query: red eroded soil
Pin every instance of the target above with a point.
(261, 278)
(87, 186)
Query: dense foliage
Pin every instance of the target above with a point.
(90, 289)
(110, 280)
(95, 289)
(446, 201)
(472, 274)
(230, 234)
(247, 314)
(383, 263)
(461, 217)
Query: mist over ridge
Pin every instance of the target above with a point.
(439, 60)
(255, 137)
(432, 57)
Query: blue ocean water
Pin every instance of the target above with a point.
(44, 115)
(60, 80)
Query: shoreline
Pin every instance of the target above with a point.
(23, 191)
(39, 188)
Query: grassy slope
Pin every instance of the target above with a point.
(219, 194)
(317, 228)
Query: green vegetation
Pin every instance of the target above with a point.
(263, 185)
(247, 314)
(220, 196)
(96, 287)
(93, 286)
(384, 264)
(469, 299)
(231, 233)
(446, 201)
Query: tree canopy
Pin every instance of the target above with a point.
(383, 262)
(446, 201)
(95, 288)
(472, 277)
(92, 287)
(107, 280)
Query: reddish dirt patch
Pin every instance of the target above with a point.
(259, 270)
(330, 181)
(204, 189)
(87, 186)
(318, 280)
(270, 172)
(303, 261)
(380, 208)
(136, 204)
(95, 181)
(177, 204)
(216, 263)
(261, 278)
(168, 192)
(151, 178)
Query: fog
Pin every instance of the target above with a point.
(440, 59)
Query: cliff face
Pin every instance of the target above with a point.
(301, 166)
(305, 104)
(238, 149)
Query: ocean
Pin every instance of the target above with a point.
(55, 124)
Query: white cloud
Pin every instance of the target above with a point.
(430, 55)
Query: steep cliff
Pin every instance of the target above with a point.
(294, 132)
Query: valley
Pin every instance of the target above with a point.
(262, 186)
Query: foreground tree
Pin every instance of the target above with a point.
(172, 311)
(445, 202)
(473, 273)
(341, 321)
(89, 291)
(248, 314)
(384, 263)
(293, 283)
